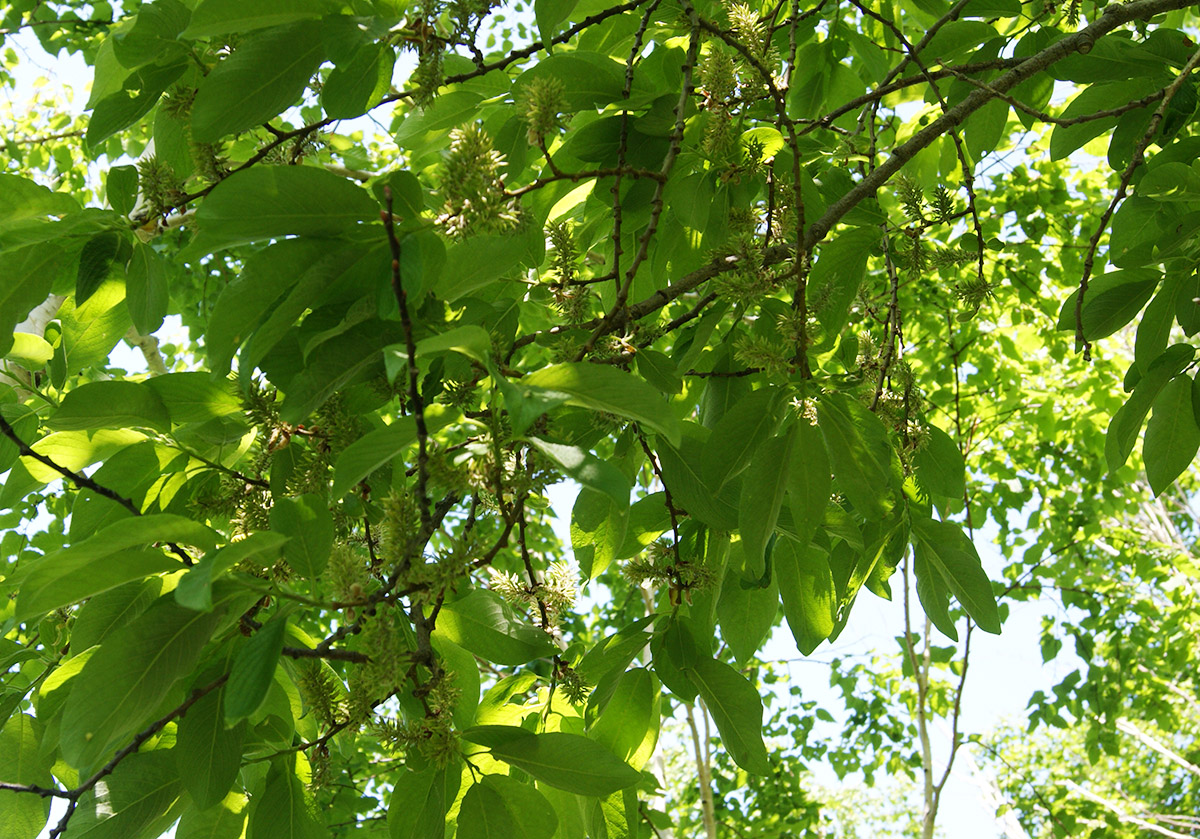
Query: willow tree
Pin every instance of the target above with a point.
(735, 270)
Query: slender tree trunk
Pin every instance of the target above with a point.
(704, 775)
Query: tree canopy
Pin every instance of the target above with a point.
(798, 296)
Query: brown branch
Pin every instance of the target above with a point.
(414, 390)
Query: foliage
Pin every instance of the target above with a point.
(738, 271)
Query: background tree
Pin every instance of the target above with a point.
(756, 278)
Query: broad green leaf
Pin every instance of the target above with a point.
(376, 449)
(195, 397)
(474, 264)
(207, 753)
(738, 435)
(136, 96)
(483, 815)
(808, 592)
(146, 294)
(1127, 421)
(121, 188)
(247, 301)
(1065, 139)
(946, 549)
(566, 761)
(763, 488)
(531, 814)
(226, 820)
(218, 17)
(682, 474)
(860, 453)
(549, 14)
(737, 710)
(1172, 436)
(30, 351)
(934, 595)
(598, 526)
(114, 404)
(90, 331)
(308, 524)
(589, 80)
(252, 671)
(357, 85)
(266, 74)
(605, 388)
(22, 816)
(746, 613)
(628, 724)
(95, 263)
(837, 274)
(269, 202)
(472, 341)
(1154, 328)
(28, 274)
(588, 470)
(108, 611)
(420, 800)
(809, 478)
(195, 587)
(105, 560)
(285, 809)
(131, 673)
(141, 798)
(1111, 300)
(487, 626)
(940, 466)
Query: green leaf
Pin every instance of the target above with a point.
(141, 798)
(746, 614)
(285, 809)
(267, 202)
(472, 341)
(108, 611)
(628, 724)
(376, 449)
(808, 592)
(121, 188)
(604, 388)
(763, 489)
(1111, 301)
(566, 761)
(588, 470)
(860, 453)
(1172, 436)
(30, 351)
(549, 14)
(420, 801)
(135, 98)
(809, 478)
(934, 595)
(114, 404)
(252, 672)
(837, 274)
(309, 524)
(589, 80)
(355, 86)
(146, 294)
(195, 397)
(598, 526)
(122, 684)
(28, 274)
(940, 466)
(226, 820)
(208, 754)
(104, 561)
(22, 816)
(737, 710)
(531, 814)
(738, 435)
(483, 815)
(1127, 421)
(484, 624)
(266, 74)
(195, 587)
(1065, 139)
(220, 17)
(947, 550)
